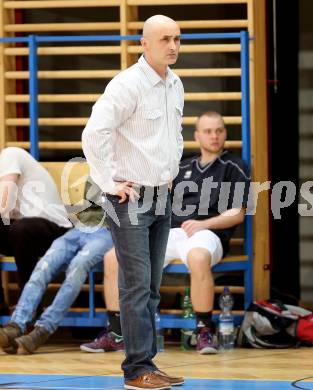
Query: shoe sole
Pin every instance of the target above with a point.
(92, 350)
(177, 383)
(208, 351)
(152, 388)
(86, 349)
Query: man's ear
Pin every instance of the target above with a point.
(143, 42)
(195, 134)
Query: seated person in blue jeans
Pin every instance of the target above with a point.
(32, 214)
(78, 250)
(199, 239)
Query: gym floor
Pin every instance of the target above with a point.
(65, 367)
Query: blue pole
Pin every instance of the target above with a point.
(245, 96)
(33, 97)
(92, 309)
(246, 155)
(114, 38)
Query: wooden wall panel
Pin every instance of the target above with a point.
(105, 60)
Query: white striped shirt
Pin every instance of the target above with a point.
(134, 131)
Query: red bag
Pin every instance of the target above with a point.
(304, 330)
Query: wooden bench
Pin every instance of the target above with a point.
(70, 179)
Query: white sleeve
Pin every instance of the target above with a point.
(9, 162)
(180, 139)
(114, 107)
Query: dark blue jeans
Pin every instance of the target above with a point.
(140, 242)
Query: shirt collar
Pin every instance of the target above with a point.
(197, 159)
(172, 77)
(152, 75)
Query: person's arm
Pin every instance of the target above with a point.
(113, 108)
(180, 145)
(180, 140)
(225, 220)
(8, 192)
(237, 202)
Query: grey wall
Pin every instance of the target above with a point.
(306, 143)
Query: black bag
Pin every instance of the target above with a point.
(271, 324)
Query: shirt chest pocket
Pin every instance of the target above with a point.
(148, 123)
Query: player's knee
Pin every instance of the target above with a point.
(199, 261)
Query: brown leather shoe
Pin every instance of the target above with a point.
(174, 380)
(148, 380)
(7, 337)
(28, 344)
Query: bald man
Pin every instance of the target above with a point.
(133, 145)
